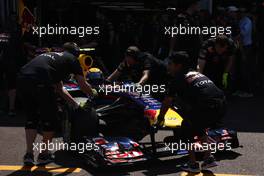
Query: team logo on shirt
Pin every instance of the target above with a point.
(193, 75)
(48, 55)
(203, 82)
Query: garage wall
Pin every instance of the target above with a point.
(7, 7)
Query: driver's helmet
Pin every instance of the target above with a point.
(95, 76)
(86, 62)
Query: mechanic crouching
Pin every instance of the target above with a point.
(201, 104)
(39, 82)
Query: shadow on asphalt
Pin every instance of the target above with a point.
(226, 155)
(151, 167)
(66, 159)
(169, 166)
(25, 171)
(40, 171)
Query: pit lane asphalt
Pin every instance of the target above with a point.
(244, 115)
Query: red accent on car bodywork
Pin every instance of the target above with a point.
(151, 113)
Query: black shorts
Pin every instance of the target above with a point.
(203, 117)
(39, 103)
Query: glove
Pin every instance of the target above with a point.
(225, 80)
(85, 105)
(82, 104)
(95, 93)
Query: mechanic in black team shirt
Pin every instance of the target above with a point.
(140, 67)
(216, 59)
(200, 103)
(38, 82)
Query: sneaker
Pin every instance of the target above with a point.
(28, 159)
(208, 163)
(191, 167)
(45, 158)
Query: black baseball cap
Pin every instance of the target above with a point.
(72, 48)
(133, 51)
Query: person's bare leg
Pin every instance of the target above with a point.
(205, 140)
(31, 135)
(12, 99)
(47, 138)
(208, 160)
(191, 165)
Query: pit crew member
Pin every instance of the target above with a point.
(38, 82)
(141, 68)
(200, 103)
(216, 59)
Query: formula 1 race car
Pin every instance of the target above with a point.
(124, 119)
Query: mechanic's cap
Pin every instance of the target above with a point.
(180, 57)
(133, 51)
(232, 9)
(72, 48)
